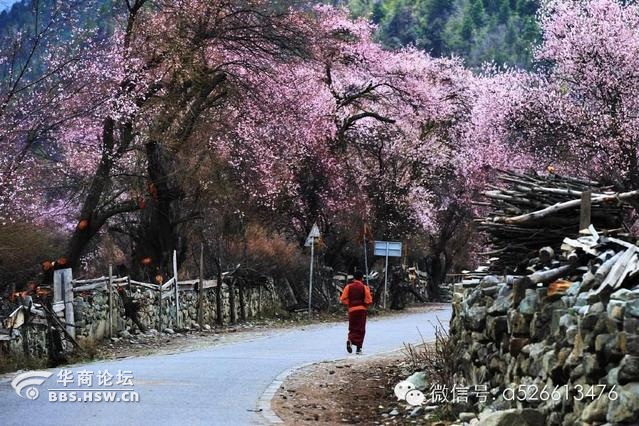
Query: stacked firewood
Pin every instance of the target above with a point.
(526, 211)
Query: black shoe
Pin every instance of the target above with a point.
(349, 348)
(358, 351)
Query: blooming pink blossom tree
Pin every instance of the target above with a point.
(356, 130)
(40, 74)
(582, 112)
(171, 69)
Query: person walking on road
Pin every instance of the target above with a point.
(357, 297)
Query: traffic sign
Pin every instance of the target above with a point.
(312, 236)
(310, 242)
(388, 248)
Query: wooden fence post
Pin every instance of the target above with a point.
(160, 303)
(177, 293)
(219, 302)
(68, 302)
(585, 212)
(200, 295)
(109, 290)
(130, 287)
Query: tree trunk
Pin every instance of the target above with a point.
(157, 235)
(240, 288)
(219, 307)
(81, 237)
(436, 268)
(232, 313)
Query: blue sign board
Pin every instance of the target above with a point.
(388, 248)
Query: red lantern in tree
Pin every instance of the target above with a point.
(153, 191)
(83, 224)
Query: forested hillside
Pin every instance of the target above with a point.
(477, 30)
(20, 14)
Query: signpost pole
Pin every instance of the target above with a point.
(383, 248)
(310, 241)
(365, 259)
(310, 277)
(386, 275)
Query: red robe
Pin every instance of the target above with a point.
(357, 296)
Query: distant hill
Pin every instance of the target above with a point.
(6, 4)
(94, 13)
(13, 14)
(502, 31)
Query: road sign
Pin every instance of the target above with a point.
(365, 235)
(310, 242)
(312, 236)
(314, 231)
(387, 249)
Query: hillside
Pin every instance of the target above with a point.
(477, 30)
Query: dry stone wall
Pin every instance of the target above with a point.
(570, 358)
(91, 314)
(92, 309)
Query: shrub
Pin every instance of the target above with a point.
(23, 247)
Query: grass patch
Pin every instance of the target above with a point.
(12, 362)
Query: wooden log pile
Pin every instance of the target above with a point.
(528, 211)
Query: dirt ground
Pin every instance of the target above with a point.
(358, 390)
(162, 343)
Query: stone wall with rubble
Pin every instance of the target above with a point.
(91, 309)
(563, 343)
(30, 341)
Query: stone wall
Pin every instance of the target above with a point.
(91, 309)
(30, 341)
(582, 349)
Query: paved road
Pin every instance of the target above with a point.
(217, 385)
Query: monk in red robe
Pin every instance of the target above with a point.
(357, 297)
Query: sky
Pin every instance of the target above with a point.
(5, 4)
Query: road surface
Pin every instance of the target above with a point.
(217, 385)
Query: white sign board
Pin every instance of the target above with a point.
(312, 236)
(388, 248)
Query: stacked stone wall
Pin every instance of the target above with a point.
(569, 358)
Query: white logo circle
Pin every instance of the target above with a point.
(415, 397)
(32, 393)
(402, 388)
